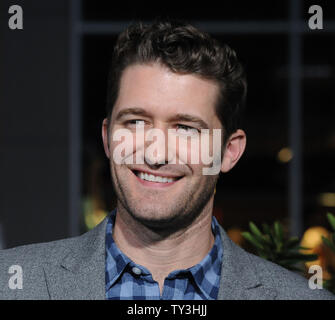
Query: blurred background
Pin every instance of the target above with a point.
(54, 177)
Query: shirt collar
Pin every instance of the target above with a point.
(206, 273)
(116, 260)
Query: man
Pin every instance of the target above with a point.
(168, 82)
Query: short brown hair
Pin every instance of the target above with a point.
(183, 49)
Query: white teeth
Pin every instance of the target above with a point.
(151, 177)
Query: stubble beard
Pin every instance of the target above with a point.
(171, 217)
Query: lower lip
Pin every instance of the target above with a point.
(155, 184)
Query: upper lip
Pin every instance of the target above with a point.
(157, 173)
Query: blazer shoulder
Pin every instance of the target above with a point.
(53, 251)
(35, 260)
(288, 284)
(28, 261)
(37, 252)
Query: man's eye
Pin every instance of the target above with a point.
(181, 128)
(136, 122)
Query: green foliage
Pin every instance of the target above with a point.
(330, 284)
(274, 245)
(330, 243)
(271, 243)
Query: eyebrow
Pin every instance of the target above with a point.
(182, 117)
(132, 111)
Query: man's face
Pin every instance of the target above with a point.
(156, 98)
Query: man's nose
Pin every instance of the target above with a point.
(156, 146)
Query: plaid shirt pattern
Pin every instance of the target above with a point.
(126, 280)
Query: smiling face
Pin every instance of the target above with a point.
(162, 195)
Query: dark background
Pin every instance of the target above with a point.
(54, 178)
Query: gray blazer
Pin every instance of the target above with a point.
(74, 268)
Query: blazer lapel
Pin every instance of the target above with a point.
(80, 274)
(239, 279)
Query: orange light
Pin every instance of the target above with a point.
(312, 239)
(285, 155)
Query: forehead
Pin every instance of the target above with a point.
(163, 93)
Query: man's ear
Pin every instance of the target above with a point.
(235, 147)
(105, 139)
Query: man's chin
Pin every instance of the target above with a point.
(163, 222)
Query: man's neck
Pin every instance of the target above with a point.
(162, 255)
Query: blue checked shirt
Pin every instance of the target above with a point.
(126, 280)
